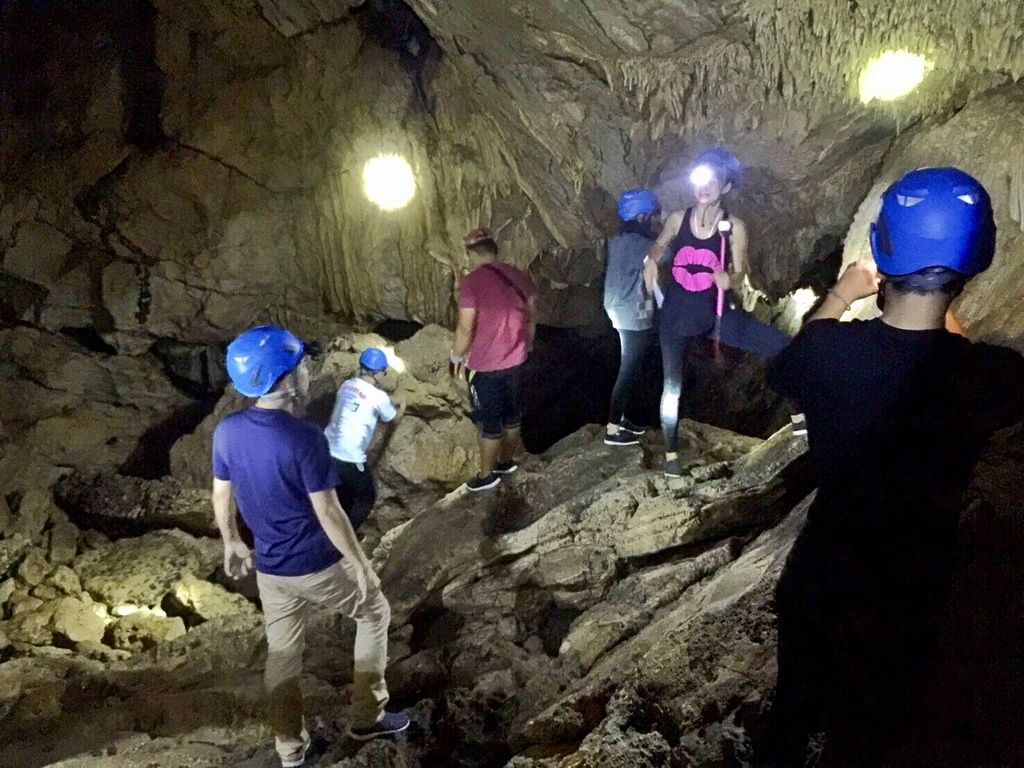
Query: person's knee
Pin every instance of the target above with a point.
(283, 666)
(375, 608)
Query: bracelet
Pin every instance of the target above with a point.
(845, 303)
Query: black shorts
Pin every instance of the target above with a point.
(356, 491)
(497, 400)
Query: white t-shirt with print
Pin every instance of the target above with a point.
(357, 408)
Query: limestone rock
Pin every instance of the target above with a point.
(31, 693)
(63, 539)
(70, 400)
(7, 587)
(124, 505)
(34, 567)
(143, 630)
(34, 512)
(140, 571)
(205, 600)
(32, 622)
(11, 551)
(6, 518)
(66, 580)
(78, 622)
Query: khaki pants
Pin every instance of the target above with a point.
(286, 604)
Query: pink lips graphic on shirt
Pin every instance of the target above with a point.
(694, 281)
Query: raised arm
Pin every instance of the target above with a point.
(657, 254)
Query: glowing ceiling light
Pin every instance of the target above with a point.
(892, 75)
(389, 182)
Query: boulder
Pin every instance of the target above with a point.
(142, 630)
(11, 551)
(141, 571)
(201, 600)
(66, 580)
(122, 505)
(63, 539)
(34, 567)
(32, 622)
(77, 622)
(7, 518)
(34, 512)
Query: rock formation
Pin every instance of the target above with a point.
(172, 172)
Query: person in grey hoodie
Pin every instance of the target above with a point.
(629, 306)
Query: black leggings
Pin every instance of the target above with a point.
(739, 329)
(634, 346)
(357, 491)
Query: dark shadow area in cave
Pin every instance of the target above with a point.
(46, 41)
(570, 375)
(90, 339)
(151, 458)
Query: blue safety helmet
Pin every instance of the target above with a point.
(374, 360)
(260, 356)
(727, 168)
(637, 202)
(934, 217)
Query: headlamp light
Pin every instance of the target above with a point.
(701, 175)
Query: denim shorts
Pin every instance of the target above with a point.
(497, 400)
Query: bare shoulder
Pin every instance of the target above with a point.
(738, 225)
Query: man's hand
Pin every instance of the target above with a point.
(237, 559)
(367, 580)
(723, 280)
(399, 403)
(859, 281)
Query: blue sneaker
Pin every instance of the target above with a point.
(392, 722)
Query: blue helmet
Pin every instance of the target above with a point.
(637, 202)
(373, 359)
(934, 217)
(727, 168)
(259, 357)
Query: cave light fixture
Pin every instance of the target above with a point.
(388, 181)
(892, 75)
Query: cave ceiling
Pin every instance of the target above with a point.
(239, 198)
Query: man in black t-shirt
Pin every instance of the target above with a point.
(898, 411)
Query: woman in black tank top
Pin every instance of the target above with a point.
(700, 254)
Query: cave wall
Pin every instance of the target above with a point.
(244, 202)
(185, 169)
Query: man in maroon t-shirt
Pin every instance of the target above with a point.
(492, 341)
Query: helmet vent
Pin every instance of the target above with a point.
(908, 201)
(969, 199)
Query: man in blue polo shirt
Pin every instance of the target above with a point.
(278, 468)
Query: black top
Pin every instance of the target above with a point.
(690, 312)
(896, 419)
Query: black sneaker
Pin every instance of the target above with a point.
(506, 467)
(477, 483)
(392, 722)
(622, 437)
(673, 468)
(628, 426)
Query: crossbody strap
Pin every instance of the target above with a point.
(508, 281)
